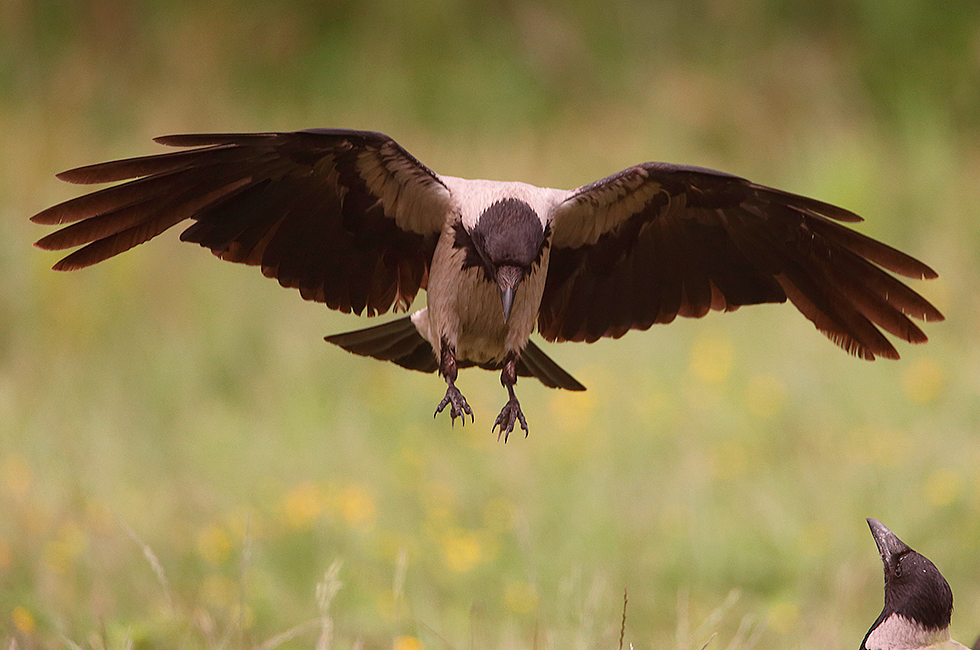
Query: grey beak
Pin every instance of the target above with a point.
(508, 277)
(889, 545)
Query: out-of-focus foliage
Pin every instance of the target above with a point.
(182, 459)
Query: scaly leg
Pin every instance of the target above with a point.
(511, 413)
(457, 403)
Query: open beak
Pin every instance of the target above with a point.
(508, 277)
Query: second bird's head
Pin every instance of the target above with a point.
(506, 241)
(918, 600)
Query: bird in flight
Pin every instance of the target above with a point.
(918, 600)
(354, 221)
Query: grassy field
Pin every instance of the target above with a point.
(185, 463)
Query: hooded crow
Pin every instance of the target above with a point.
(354, 221)
(918, 600)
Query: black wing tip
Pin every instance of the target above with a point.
(79, 176)
(928, 314)
(65, 265)
(44, 243)
(807, 204)
(906, 265)
(928, 273)
(212, 139)
(45, 218)
(350, 133)
(207, 139)
(834, 212)
(173, 140)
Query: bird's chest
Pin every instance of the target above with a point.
(464, 306)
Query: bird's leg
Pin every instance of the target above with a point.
(457, 403)
(511, 413)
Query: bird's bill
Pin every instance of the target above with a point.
(508, 277)
(889, 545)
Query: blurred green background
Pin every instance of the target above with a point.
(182, 458)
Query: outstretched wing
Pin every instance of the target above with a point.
(347, 217)
(656, 241)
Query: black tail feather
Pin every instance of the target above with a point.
(398, 341)
(546, 370)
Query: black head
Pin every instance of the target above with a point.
(506, 242)
(914, 587)
(508, 233)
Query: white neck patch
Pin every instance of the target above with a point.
(899, 633)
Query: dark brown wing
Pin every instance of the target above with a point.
(347, 217)
(657, 241)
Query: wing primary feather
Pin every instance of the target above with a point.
(156, 221)
(217, 139)
(161, 185)
(109, 199)
(890, 258)
(127, 168)
(833, 313)
(874, 306)
(803, 204)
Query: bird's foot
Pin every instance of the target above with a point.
(509, 416)
(458, 408)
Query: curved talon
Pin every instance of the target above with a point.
(458, 406)
(509, 416)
